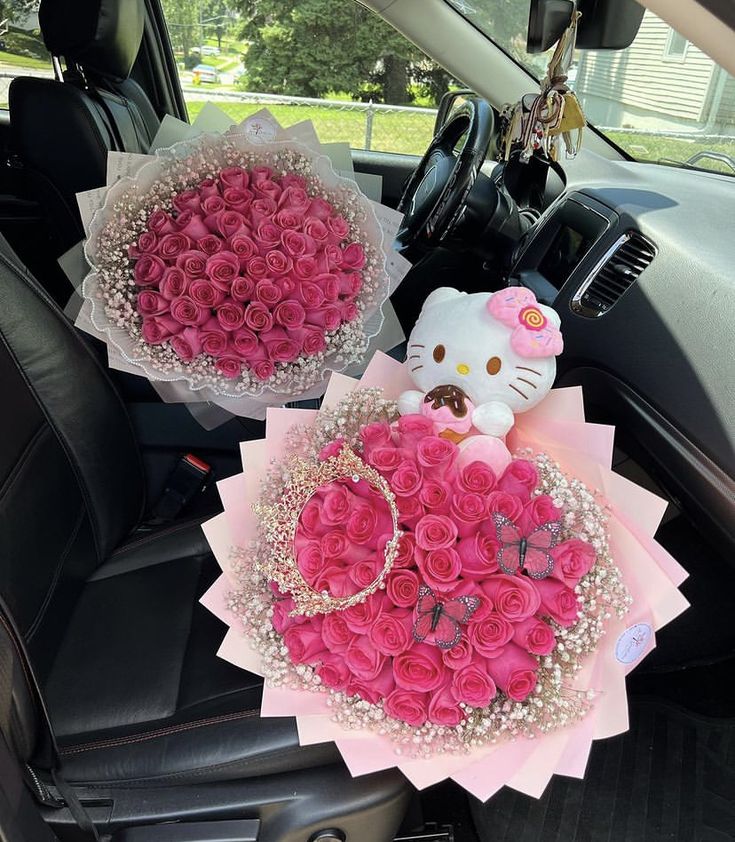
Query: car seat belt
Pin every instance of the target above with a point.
(69, 799)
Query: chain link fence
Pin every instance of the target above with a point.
(364, 125)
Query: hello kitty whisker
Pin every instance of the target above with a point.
(415, 357)
(417, 368)
(532, 385)
(532, 370)
(414, 345)
(525, 397)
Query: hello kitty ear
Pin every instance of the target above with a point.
(441, 296)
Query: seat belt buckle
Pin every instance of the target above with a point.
(188, 478)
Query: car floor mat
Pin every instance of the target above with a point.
(670, 777)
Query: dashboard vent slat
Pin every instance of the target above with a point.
(614, 276)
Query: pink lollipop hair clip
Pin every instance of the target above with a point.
(534, 335)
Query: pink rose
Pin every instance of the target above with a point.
(473, 686)
(148, 270)
(406, 551)
(160, 222)
(187, 344)
(147, 244)
(263, 369)
(335, 632)
(258, 317)
(309, 295)
(304, 643)
(468, 511)
(477, 477)
(538, 510)
(490, 634)
(520, 478)
(310, 561)
(337, 505)
(353, 256)
(288, 219)
(278, 263)
(289, 314)
(514, 672)
(205, 293)
(282, 350)
(242, 289)
(243, 247)
(210, 244)
(444, 709)
(506, 504)
(573, 559)
(234, 177)
(267, 236)
(157, 329)
(187, 312)
(267, 189)
(333, 671)
(391, 633)
(459, 656)
(350, 284)
(320, 209)
(406, 479)
(267, 293)
(191, 225)
(402, 588)
(435, 496)
(436, 454)
(373, 691)
(333, 544)
(440, 568)
(229, 367)
(327, 317)
(434, 532)
(349, 311)
(257, 269)
(280, 620)
(304, 268)
(315, 229)
(222, 269)
(229, 223)
(534, 636)
(262, 209)
(385, 459)
(364, 522)
(407, 706)
(514, 597)
(329, 285)
(558, 601)
(375, 435)
(338, 227)
(411, 428)
(420, 668)
(311, 340)
(478, 553)
(192, 263)
(187, 200)
(173, 283)
(360, 617)
(410, 511)
(149, 303)
(237, 199)
(294, 198)
(211, 206)
(363, 659)
(332, 254)
(214, 339)
(231, 315)
(292, 180)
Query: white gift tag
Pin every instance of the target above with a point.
(633, 642)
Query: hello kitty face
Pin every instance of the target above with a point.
(493, 346)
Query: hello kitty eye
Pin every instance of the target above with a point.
(439, 353)
(493, 365)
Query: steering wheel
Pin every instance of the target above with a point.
(434, 198)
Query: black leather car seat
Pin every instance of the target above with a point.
(63, 130)
(123, 652)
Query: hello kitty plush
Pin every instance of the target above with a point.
(478, 359)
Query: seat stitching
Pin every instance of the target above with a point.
(160, 732)
(154, 536)
(23, 458)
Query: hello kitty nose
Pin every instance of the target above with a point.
(463, 369)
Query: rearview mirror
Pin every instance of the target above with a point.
(604, 24)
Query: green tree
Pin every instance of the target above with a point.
(315, 46)
(184, 25)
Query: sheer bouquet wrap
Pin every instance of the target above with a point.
(432, 597)
(239, 268)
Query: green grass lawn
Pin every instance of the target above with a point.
(24, 61)
(407, 133)
(652, 148)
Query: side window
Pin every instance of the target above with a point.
(330, 61)
(22, 52)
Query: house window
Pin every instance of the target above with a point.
(676, 46)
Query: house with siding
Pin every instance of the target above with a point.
(661, 82)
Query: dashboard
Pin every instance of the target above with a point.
(639, 261)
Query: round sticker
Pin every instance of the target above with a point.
(260, 129)
(633, 642)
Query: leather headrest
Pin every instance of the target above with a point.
(101, 35)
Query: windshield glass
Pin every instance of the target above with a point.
(661, 99)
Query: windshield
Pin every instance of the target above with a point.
(661, 99)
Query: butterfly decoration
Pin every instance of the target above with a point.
(442, 619)
(526, 552)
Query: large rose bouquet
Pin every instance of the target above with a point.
(410, 604)
(239, 270)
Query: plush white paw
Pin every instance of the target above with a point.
(409, 403)
(493, 418)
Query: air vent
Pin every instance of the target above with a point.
(614, 275)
